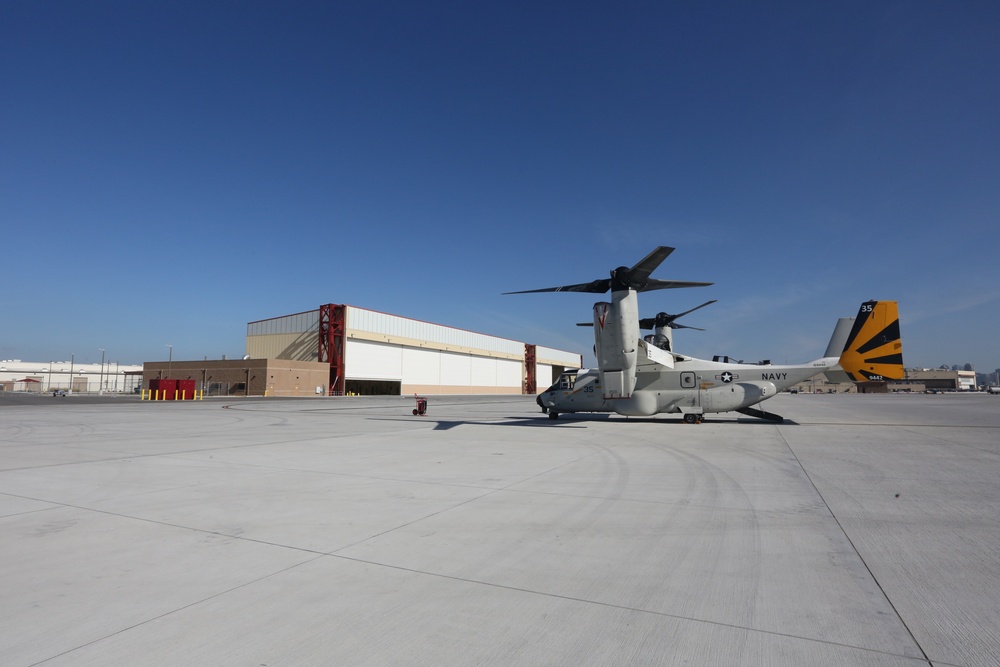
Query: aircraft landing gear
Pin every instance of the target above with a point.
(692, 418)
(553, 415)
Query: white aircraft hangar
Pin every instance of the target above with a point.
(375, 353)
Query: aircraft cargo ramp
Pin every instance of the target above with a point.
(349, 531)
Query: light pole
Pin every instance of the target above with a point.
(170, 360)
(100, 383)
(71, 358)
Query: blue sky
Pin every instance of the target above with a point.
(170, 171)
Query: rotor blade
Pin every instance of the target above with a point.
(599, 286)
(654, 284)
(666, 319)
(645, 266)
(584, 324)
(650, 322)
(624, 278)
(707, 303)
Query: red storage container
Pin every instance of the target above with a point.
(167, 389)
(185, 390)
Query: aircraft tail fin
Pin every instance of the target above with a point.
(873, 350)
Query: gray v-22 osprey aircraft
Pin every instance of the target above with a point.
(640, 377)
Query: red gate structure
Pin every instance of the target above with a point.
(530, 382)
(332, 325)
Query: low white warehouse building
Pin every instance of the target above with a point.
(70, 375)
(376, 353)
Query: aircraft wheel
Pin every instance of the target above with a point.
(553, 415)
(690, 418)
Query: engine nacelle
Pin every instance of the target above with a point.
(616, 336)
(738, 395)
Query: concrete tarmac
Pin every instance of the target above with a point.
(346, 531)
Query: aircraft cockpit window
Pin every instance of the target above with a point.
(567, 381)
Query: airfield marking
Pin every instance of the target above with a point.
(847, 536)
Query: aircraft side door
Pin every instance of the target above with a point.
(689, 380)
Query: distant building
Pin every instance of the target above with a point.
(935, 379)
(820, 385)
(916, 380)
(45, 376)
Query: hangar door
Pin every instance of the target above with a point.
(373, 387)
(373, 369)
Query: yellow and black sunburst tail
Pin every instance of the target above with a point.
(874, 350)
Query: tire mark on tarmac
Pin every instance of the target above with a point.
(747, 585)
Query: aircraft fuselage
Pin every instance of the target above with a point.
(692, 386)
